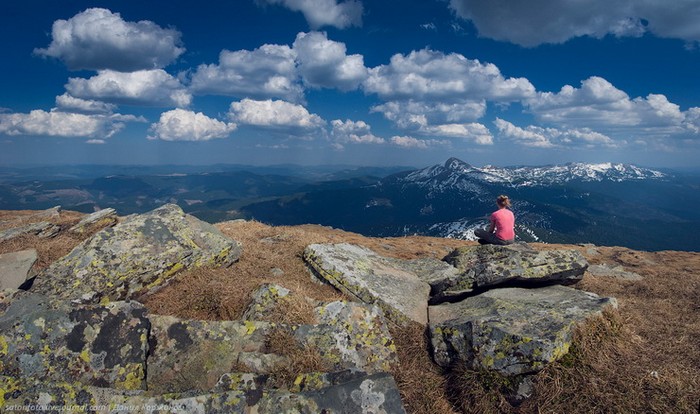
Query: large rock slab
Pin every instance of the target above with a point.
(42, 229)
(490, 265)
(190, 355)
(375, 394)
(137, 256)
(193, 354)
(101, 218)
(392, 284)
(511, 330)
(15, 268)
(49, 340)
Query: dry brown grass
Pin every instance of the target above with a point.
(645, 358)
(301, 359)
(50, 249)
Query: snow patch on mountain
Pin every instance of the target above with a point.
(461, 176)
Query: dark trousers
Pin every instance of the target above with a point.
(486, 237)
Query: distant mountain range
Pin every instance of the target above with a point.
(605, 204)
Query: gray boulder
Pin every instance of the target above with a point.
(51, 341)
(137, 256)
(190, 355)
(15, 268)
(490, 265)
(101, 218)
(392, 284)
(511, 330)
(368, 394)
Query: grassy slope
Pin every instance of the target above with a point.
(643, 358)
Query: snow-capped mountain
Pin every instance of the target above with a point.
(608, 204)
(460, 176)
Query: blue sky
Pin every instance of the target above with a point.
(368, 82)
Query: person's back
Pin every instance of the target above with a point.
(502, 228)
(504, 221)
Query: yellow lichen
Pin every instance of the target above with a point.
(250, 327)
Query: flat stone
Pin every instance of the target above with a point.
(193, 354)
(511, 330)
(350, 336)
(392, 284)
(190, 355)
(137, 256)
(490, 265)
(101, 218)
(15, 268)
(43, 229)
(617, 272)
(49, 340)
(377, 394)
(265, 299)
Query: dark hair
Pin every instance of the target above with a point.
(503, 201)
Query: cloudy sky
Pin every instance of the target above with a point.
(363, 82)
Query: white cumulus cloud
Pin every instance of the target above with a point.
(274, 114)
(324, 63)
(555, 21)
(266, 72)
(144, 87)
(411, 142)
(352, 132)
(431, 75)
(411, 114)
(99, 39)
(476, 132)
(539, 137)
(319, 13)
(599, 104)
(68, 103)
(64, 124)
(183, 125)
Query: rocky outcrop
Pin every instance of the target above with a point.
(42, 229)
(391, 284)
(137, 256)
(56, 353)
(265, 299)
(50, 340)
(490, 265)
(101, 218)
(376, 394)
(15, 268)
(511, 330)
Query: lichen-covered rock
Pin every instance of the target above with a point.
(137, 256)
(490, 265)
(101, 218)
(392, 284)
(190, 355)
(193, 354)
(369, 394)
(49, 340)
(265, 299)
(511, 330)
(15, 268)
(43, 229)
(351, 335)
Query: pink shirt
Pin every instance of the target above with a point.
(504, 220)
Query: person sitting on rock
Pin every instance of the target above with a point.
(501, 231)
